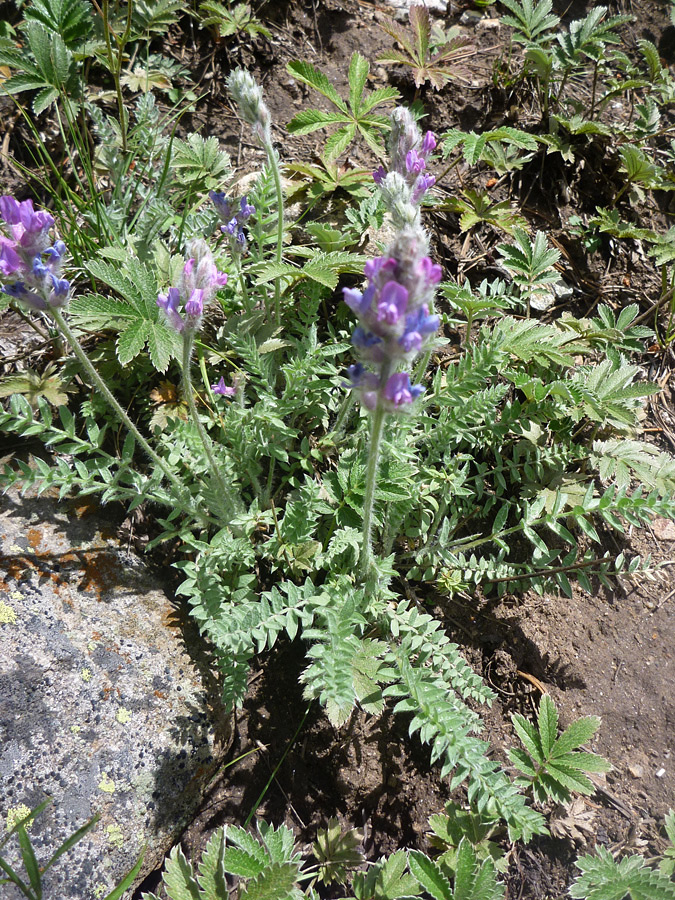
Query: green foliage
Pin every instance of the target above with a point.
(336, 853)
(531, 266)
(228, 21)
(267, 865)
(355, 117)
(667, 864)
(604, 878)
(428, 60)
(46, 66)
(532, 21)
(135, 316)
(475, 207)
(552, 764)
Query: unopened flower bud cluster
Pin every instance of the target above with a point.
(183, 305)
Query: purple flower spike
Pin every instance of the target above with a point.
(364, 339)
(398, 390)
(428, 142)
(373, 266)
(392, 303)
(414, 163)
(379, 174)
(359, 302)
(223, 389)
(19, 292)
(418, 326)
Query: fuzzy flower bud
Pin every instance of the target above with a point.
(247, 94)
(397, 198)
(199, 282)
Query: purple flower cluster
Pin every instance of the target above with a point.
(408, 153)
(395, 322)
(199, 281)
(234, 221)
(29, 263)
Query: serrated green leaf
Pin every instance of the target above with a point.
(579, 732)
(547, 721)
(179, 877)
(309, 75)
(429, 875)
(358, 76)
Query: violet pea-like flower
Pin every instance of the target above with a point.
(223, 389)
(428, 143)
(399, 392)
(414, 163)
(169, 303)
(10, 261)
(418, 326)
(392, 303)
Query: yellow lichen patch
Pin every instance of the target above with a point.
(85, 675)
(7, 614)
(123, 715)
(106, 784)
(16, 595)
(115, 836)
(15, 814)
(75, 729)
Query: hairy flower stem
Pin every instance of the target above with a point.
(376, 432)
(181, 493)
(273, 161)
(188, 393)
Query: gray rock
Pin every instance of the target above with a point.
(102, 707)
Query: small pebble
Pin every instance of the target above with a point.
(636, 771)
(660, 773)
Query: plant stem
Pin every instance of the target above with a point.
(376, 432)
(188, 392)
(116, 65)
(236, 259)
(181, 492)
(273, 161)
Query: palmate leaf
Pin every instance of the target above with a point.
(136, 316)
(356, 117)
(200, 160)
(530, 19)
(416, 54)
(552, 765)
(72, 20)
